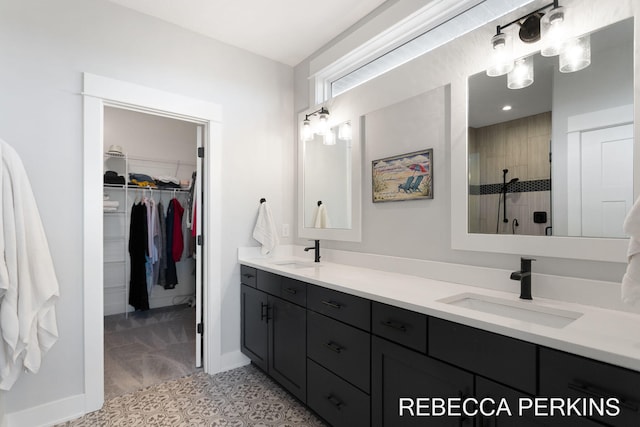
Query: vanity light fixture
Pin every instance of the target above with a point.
(321, 128)
(575, 54)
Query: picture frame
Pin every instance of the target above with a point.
(404, 177)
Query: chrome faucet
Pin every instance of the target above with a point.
(316, 249)
(524, 276)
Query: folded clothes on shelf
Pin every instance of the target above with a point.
(111, 204)
(111, 177)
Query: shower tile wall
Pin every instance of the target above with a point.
(522, 147)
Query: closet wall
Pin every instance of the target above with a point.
(154, 146)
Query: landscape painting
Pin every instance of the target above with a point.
(404, 177)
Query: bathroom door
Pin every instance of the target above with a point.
(197, 197)
(607, 180)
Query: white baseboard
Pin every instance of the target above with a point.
(49, 414)
(232, 360)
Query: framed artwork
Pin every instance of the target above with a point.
(404, 177)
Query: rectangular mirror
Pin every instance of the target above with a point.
(555, 158)
(329, 184)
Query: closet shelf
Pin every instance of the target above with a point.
(136, 188)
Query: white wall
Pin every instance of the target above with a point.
(436, 83)
(45, 46)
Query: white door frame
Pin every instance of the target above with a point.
(99, 92)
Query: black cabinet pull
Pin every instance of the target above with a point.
(334, 347)
(332, 304)
(264, 312)
(335, 401)
(248, 276)
(596, 392)
(291, 291)
(395, 325)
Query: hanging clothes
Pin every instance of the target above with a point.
(162, 247)
(174, 244)
(138, 252)
(28, 285)
(178, 242)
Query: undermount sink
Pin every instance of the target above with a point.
(526, 311)
(296, 264)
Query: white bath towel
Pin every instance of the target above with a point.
(111, 203)
(321, 217)
(631, 278)
(265, 231)
(28, 282)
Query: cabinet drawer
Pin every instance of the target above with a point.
(506, 360)
(269, 282)
(340, 348)
(294, 291)
(248, 276)
(335, 400)
(567, 375)
(399, 325)
(347, 308)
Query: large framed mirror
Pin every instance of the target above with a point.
(329, 185)
(550, 167)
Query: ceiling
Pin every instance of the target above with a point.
(287, 31)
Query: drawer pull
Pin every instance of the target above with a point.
(395, 325)
(332, 304)
(291, 291)
(595, 392)
(334, 347)
(248, 276)
(335, 401)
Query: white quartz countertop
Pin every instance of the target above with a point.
(606, 335)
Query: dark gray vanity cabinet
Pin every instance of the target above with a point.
(568, 375)
(338, 356)
(400, 373)
(274, 331)
(357, 362)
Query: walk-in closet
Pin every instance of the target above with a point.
(150, 196)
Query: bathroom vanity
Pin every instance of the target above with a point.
(359, 348)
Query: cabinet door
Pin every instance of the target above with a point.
(254, 334)
(398, 373)
(488, 391)
(288, 346)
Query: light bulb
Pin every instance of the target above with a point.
(344, 132)
(322, 124)
(329, 138)
(553, 32)
(522, 74)
(502, 60)
(307, 134)
(575, 54)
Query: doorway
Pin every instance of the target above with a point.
(100, 92)
(150, 323)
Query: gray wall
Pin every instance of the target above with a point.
(410, 107)
(44, 48)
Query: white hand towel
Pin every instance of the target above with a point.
(321, 217)
(631, 279)
(265, 231)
